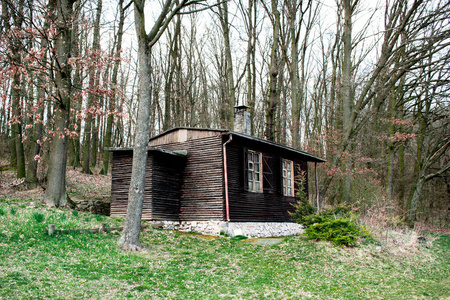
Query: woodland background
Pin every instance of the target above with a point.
(364, 85)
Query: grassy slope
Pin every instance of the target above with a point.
(34, 265)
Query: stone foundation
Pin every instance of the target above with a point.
(98, 207)
(248, 229)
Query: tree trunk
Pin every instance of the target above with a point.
(75, 144)
(223, 12)
(114, 83)
(17, 126)
(55, 194)
(15, 15)
(272, 102)
(129, 239)
(173, 59)
(347, 99)
(31, 175)
(92, 98)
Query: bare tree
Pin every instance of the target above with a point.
(231, 94)
(13, 14)
(129, 239)
(114, 86)
(274, 70)
(92, 98)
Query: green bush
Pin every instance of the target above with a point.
(2, 212)
(341, 232)
(13, 211)
(336, 224)
(302, 208)
(313, 219)
(75, 213)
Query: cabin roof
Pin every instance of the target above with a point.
(180, 153)
(309, 156)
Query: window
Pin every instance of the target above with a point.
(254, 171)
(288, 177)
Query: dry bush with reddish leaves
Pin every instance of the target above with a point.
(395, 237)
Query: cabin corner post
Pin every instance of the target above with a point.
(225, 172)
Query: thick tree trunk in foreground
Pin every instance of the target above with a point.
(129, 239)
(56, 195)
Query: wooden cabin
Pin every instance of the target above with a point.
(212, 174)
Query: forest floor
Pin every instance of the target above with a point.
(177, 265)
(78, 185)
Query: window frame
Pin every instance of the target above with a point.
(251, 172)
(287, 178)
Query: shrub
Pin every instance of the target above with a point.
(341, 232)
(313, 219)
(2, 212)
(38, 217)
(302, 208)
(336, 224)
(75, 213)
(13, 211)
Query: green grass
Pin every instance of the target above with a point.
(34, 265)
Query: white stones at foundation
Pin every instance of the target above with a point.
(248, 229)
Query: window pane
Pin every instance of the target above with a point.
(254, 170)
(287, 177)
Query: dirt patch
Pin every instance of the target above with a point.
(79, 186)
(265, 241)
(16, 189)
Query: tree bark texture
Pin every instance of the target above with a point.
(273, 96)
(129, 239)
(347, 97)
(55, 194)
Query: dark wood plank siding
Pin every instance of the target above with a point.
(202, 191)
(269, 206)
(167, 178)
(121, 176)
(120, 182)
